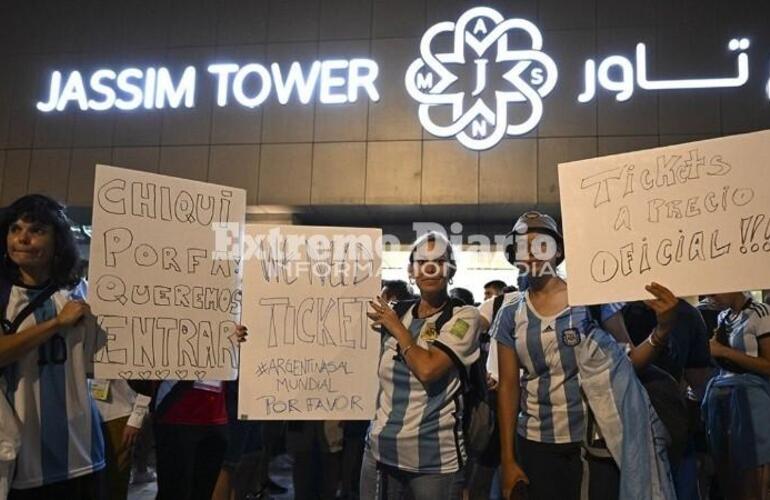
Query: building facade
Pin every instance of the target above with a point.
(369, 160)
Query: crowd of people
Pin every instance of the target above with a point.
(659, 399)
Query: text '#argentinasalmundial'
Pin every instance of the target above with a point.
(320, 376)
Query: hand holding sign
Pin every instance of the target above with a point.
(664, 303)
(241, 333)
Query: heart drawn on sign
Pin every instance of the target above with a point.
(162, 374)
(182, 374)
(200, 374)
(126, 375)
(144, 375)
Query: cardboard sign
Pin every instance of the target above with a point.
(694, 217)
(311, 354)
(167, 299)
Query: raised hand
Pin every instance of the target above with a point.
(382, 314)
(664, 303)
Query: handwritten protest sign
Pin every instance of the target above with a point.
(694, 217)
(311, 354)
(167, 298)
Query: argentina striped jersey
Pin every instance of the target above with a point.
(418, 428)
(552, 409)
(746, 328)
(48, 389)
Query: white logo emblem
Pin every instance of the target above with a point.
(478, 31)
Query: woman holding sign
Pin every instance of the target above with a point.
(45, 354)
(415, 443)
(736, 407)
(541, 335)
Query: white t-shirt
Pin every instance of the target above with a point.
(417, 428)
(486, 309)
(48, 389)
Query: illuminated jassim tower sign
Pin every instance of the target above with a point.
(334, 81)
(479, 79)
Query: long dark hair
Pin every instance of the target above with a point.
(40, 209)
(399, 289)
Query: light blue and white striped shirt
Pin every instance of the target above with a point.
(418, 428)
(746, 328)
(552, 406)
(48, 388)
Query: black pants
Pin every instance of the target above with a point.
(554, 470)
(316, 472)
(188, 460)
(88, 487)
(352, 455)
(604, 479)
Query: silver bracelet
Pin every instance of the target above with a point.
(654, 344)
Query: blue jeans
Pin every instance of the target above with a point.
(388, 483)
